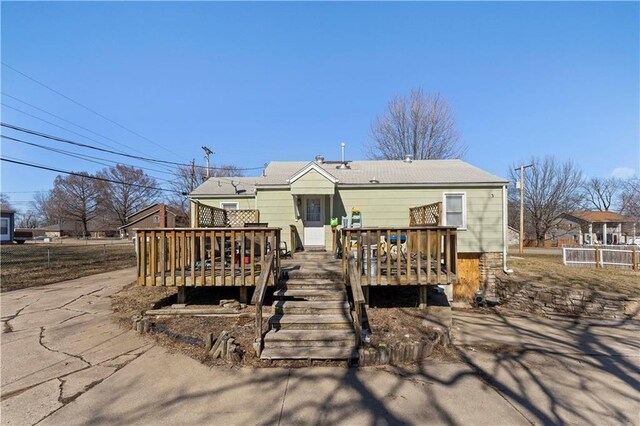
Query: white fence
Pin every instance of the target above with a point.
(621, 257)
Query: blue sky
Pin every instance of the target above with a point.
(286, 81)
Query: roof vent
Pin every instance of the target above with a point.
(374, 180)
(343, 164)
(319, 159)
(408, 158)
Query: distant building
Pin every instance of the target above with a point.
(7, 223)
(597, 227)
(155, 216)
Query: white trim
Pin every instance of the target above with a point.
(464, 209)
(230, 202)
(313, 166)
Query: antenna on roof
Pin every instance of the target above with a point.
(264, 170)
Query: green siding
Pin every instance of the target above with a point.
(276, 208)
(390, 207)
(385, 207)
(312, 183)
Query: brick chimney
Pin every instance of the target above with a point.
(162, 216)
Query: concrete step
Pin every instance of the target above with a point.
(318, 307)
(310, 322)
(302, 294)
(306, 338)
(311, 283)
(310, 353)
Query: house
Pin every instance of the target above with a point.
(308, 195)
(155, 216)
(7, 223)
(601, 227)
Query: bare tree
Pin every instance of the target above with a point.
(134, 191)
(5, 203)
(422, 125)
(189, 178)
(47, 208)
(630, 197)
(550, 189)
(601, 193)
(78, 198)
(28, 219)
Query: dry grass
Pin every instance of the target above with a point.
(548, 269)
(31, 265)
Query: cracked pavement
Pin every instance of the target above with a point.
(65, 361)
(58, 342)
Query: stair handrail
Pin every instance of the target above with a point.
(354, 278)
(258, 299)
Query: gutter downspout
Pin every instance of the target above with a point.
(504, 231)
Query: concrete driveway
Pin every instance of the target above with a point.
(65, 362)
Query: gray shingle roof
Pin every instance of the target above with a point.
(223, 186)
(387, 172)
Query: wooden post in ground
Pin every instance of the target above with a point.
(634, 259)
(365, 290)
(422, 292)
(182, 295)
(244, 294)
(598, 256)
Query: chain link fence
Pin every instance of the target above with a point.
(28, 265)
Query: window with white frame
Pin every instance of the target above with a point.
(455, 209)
(229, 206)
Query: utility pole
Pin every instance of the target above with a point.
(193, 175)
(207, 152)
(522, 206)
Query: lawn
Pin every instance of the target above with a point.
(548, 269)
(30, 265)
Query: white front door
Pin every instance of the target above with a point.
(313, 221)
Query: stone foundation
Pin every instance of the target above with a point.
(490, 264)
(543, 299)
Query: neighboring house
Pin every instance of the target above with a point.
(155, 216)
(513, 236)
(308, 194)
(598, 227)
(7, 223)
(72, 228)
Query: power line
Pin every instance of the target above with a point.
(66, 121)
(86, 157)
(51, 169)
(87, 108)
(83, 145)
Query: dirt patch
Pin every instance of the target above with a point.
(399, 325)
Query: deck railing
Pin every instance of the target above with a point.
(358, 296)
(419, 255)
(258, 297)
(204, 256)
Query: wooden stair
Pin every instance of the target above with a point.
(311, 316)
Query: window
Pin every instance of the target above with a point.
(4, 226)
(455, 209)
(229, 206)
(156, 219)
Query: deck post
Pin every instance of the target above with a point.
(422, 294)
(365, 290)
(244, 295)
(182, 295)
